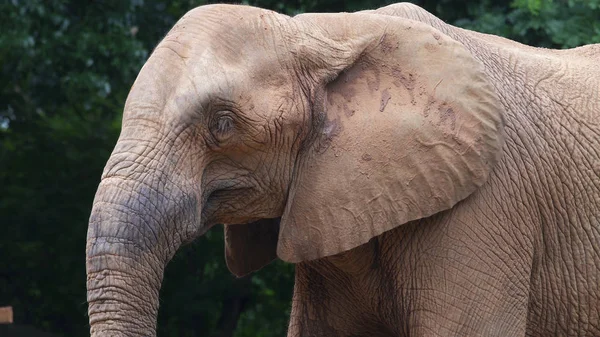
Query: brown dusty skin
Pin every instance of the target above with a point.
(427, 180)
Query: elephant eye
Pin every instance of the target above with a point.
(222, 128)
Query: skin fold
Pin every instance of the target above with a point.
(425, 179)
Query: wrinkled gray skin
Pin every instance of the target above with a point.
(519, 257)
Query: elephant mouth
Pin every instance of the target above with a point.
(223, 202)
(225, 194)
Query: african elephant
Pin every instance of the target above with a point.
(425, 179)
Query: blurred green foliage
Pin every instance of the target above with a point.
(66, 68)
(541, 23)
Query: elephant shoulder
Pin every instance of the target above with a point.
(589, 54)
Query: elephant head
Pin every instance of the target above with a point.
(305, 136)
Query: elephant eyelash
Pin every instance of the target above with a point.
(223, 126)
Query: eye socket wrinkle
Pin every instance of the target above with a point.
(228, 123)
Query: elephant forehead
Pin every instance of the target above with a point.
(214, 52)
(168, 88)
(235, 34)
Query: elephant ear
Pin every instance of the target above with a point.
(251, 246)
(405, 125)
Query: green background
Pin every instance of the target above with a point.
(66, 69)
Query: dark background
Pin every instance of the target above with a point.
(66, 68)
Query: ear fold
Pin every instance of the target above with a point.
(251, 246)
(406, 125)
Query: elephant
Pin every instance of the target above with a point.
(424, 179)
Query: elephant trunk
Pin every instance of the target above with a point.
(122, 288)
(130, 241)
